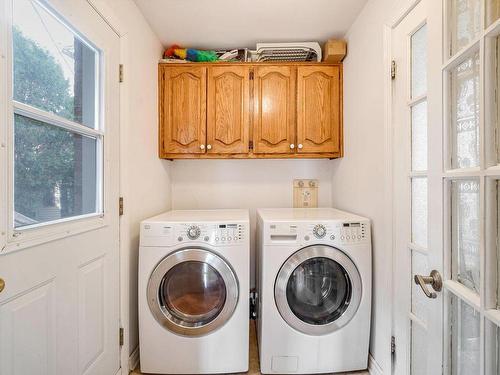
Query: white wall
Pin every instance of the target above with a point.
(145, 179)
(359, 179)
(207, 184)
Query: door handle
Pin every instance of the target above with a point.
(433, 280)
(2, 285)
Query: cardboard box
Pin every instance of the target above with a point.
(335, 51)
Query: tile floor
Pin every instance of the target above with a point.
(254, 358)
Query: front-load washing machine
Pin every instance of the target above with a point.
(313, 291)
(194, 271)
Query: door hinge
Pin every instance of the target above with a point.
(393, 345)
(121, 335)
(250, 145)
(393, 69)
(120, 206)
(120, 74)
(251, 75)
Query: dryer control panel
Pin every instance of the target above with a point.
(346, 233)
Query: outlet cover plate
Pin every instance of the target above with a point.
(305, 193)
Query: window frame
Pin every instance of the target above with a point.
(11, 238)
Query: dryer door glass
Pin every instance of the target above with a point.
(319, 291)
(193, 292)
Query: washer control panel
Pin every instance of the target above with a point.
(353, 232)
(216, 234)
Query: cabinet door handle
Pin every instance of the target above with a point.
(2, 285)
(300, 146)
(209, 147)
(292, 146)
(202, 147)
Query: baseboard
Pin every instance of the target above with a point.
(373, 367)
(133, 360)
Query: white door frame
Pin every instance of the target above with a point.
(127, 361)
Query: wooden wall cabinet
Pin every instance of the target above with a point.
(240, 110)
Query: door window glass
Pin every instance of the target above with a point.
(193, 292)
(464, 21)
(319, 291)
(465, 233)
(58, 142)
(465, 342)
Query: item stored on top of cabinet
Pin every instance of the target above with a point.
(190, 54)
(287, 52)
(335, 51)
(259, 110)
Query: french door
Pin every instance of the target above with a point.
(59, 230)
(446, 191)
(417, 192)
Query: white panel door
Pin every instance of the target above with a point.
(417, 187)
(59, 131)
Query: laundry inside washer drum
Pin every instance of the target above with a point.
(319, 291)
(193, 292)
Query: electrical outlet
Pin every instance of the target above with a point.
(305, 193)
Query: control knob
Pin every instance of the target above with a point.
(319, 231)
(193, 232)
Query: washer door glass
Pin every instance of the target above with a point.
(319, 291)
(193, 292)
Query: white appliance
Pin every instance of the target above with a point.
(194, 292)
(313, 290)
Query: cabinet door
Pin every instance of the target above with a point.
(228, 120)
(183, 109)
(319, 107)
(274, 109)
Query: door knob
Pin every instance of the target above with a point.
(292, 146)
(300, 146)
(2, 285)
(209, 147)
(433, 280)
(202, 147)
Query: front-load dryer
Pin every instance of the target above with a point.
(194, 272)
(313, 291)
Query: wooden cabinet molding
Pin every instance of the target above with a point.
(250, 110)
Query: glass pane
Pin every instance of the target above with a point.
(419, 301)
(492, 349)
(419, 137)
(465, 232)
(465, 338)
(319, 291)
(419, 211)
(419, 62)
(193, 292)
(465, 22)
(464, 80)
(492, 11)
(54, 70)
(55, 173)
(419, 344)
